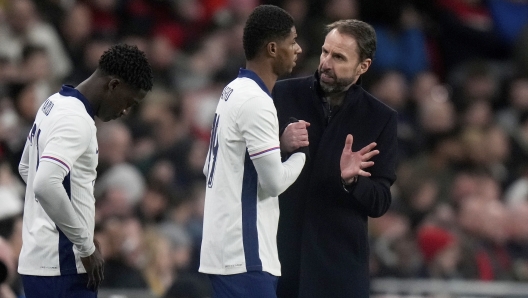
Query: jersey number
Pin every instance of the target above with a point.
(213, 151)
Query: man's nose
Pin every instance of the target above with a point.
(325, 63)
(299, 49)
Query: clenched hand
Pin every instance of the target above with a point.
(294, 136)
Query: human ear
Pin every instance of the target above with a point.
(113, 83)
(272, 49)
(364, 66)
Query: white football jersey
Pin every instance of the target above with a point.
(64, 133)
(240, 220)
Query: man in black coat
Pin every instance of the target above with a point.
(323, 236)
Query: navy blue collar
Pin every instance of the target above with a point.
(246, 73)
(68, 90)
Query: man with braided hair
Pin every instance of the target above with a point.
(59, 257)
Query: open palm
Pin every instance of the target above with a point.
(352, 164)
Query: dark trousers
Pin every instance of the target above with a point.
(65, 286)
(254, 284)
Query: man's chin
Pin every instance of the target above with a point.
(332, 89)
(327, 88)
(286, 73)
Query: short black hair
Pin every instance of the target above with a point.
(128, 63)
(265, 24)
(364, 34)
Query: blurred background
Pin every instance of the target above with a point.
(455, 70)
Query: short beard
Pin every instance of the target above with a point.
(340, 85)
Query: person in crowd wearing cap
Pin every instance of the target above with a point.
(441, 252)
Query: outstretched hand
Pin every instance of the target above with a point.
(294, 136)
(352, 164)
(94, 265)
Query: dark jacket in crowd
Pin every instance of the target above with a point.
(322, 237)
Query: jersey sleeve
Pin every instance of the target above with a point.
(23, 166)
(54, 200)
(67, 140)
(258, 123)
(275, 177)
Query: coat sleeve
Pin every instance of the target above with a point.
(373, 193)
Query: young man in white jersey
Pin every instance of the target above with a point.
(58, 256)
(243, 167)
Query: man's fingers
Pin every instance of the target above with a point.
(367, 148)
(367, 164)
(303, 133)
(306, 124)
(300, 125)
(348, 143)
(370, 154)
(90, 278)
(302, 138)
(98, 278)
(364, 174)
(94, 279)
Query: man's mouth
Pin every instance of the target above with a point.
(326, 77)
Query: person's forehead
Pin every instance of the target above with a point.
(341, 41)
(292, 35)
(293, 32)
(132, 90)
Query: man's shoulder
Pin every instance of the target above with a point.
(377, 104)
(59, 111)
(244, 88)
(292, 87)
(244, 99)
(66, 106)
(294, 82)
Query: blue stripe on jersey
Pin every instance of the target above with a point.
(68, 90)
(66, 255)
(246, 73)
(249, 216)
(36, 142)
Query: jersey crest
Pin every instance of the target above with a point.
(226, 93)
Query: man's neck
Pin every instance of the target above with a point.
(91, 89)
(264, 72)
(335, 100)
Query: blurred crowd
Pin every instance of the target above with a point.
(455, 70)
